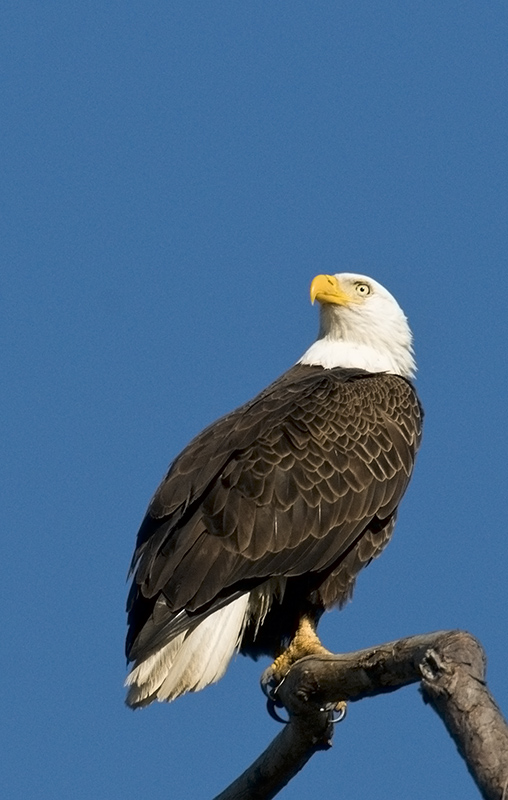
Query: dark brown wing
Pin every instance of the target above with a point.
(282, 486)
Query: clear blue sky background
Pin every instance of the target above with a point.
(172, 177)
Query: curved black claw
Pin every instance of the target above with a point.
(271, 707)
(337, 711)
(270, 686)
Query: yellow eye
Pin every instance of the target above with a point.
(362, 289)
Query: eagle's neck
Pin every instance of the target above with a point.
(329, 353)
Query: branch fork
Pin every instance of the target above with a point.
(450, 667)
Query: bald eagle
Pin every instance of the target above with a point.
(266, 518)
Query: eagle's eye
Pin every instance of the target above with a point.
(362, 289)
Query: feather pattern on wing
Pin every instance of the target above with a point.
(302, 483)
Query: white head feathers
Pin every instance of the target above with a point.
(361, 326)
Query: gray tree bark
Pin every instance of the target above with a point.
(450, 666)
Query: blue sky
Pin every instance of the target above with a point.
(172, 177)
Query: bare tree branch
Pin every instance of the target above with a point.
(451, 668)
(286, 755)
(454, 685)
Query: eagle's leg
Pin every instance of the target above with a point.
(305, 642)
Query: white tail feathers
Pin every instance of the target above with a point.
(192, 660)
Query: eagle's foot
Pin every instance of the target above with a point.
(304, 643)
(337, 711)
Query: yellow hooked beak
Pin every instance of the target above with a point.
(326, 289)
